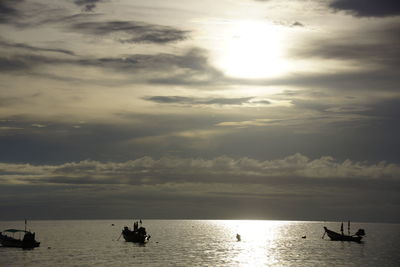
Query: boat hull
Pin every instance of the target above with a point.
(134, 236)
(7, 241)
(340, 237)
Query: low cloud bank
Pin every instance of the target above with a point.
(147, 170)
(295, 187)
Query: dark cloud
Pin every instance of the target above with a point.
(82, 201)
(60, 17)
(383, 49)
(190, 68)
(297, 24)
(194, 60)
(295, 168)
(132, 32)
(384, 54)
(88, 5)
(216, 185)
(385, 109)
(353, 134)
(370, 8)
(311, 104)
(262, 102)
(374, 53)
(340, 81)
(193, 69)
(9, 10)
(98, 141)
(27, 14)
(198, 101)
(27, 62)
(27, 47)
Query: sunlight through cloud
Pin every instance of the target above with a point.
(255, 50)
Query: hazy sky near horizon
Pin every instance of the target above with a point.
(275, 109)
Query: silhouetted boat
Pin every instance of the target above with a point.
(8, 239)
(28, 240)
(342, 237)
(137, 235)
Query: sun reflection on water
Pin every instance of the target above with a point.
(258, 241)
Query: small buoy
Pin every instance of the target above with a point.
(303, 237)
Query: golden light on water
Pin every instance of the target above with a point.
(258, 241)
(254, 50)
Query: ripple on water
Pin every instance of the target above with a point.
(203, 243)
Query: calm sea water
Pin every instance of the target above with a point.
(203, 243)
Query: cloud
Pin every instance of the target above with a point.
(384, 54)
(297, 24)
(8, 10)
(132, 31)
(28, 14)
(88, 5)
(372, 59)
(385, 109)
(38, 125)
(193, 60)
(26, 47)
(189, 68)
(199, 101)
(223, 169)
(371, 8)
(26, 62)
(252, 123)
(378, 46)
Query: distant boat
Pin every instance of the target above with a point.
(8, 239)
(137, 235)
(342, 237)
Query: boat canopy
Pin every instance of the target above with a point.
(15, 231)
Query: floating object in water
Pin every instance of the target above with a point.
(238, 237)
(304, 237)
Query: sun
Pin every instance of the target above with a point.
(254, 50)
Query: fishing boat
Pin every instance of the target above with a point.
(8, 238)
(334, 236)
(137, 235)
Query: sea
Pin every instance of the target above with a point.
(203, 243)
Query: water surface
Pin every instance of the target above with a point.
(203, 243)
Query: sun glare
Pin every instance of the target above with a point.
(258, 240)
(255, 50)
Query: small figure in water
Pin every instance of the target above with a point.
(238, 237)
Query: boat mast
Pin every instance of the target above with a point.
(25, 225)
(348, 227)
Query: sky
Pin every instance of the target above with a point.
(184, 109)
